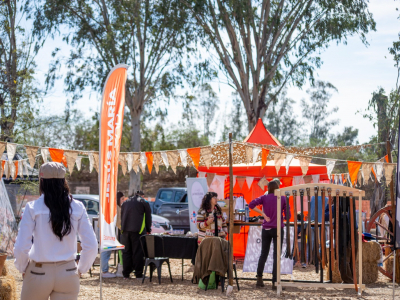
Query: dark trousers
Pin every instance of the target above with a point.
(132, 255)
(267, 236)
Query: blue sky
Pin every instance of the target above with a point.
(354, 69)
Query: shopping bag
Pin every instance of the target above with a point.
(212, 285)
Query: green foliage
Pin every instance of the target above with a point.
(233, 121)
(264, 45)
(19, 94)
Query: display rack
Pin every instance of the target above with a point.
(354, 193)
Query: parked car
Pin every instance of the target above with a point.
(167, 195)
(91, 203)
(177, 213)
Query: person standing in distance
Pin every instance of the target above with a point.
(269, 231)
(53, 221)
(135, 222)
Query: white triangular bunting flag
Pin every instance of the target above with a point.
(234, 179)
(7, 169)
(202, 174)
(143, 161)
(13, 169)
(388, 172)
(165, 159)
(26, 168)
(70, 156)
(11, 149)
(256, 152)
(315, 178)
(183, 155)
(330, 164)
(91, 162)
(21, 168)
(249, 181)
(366, 170)
(45, 154)
(288, 160)
(78, 163)
(379, 171)
(129, 160)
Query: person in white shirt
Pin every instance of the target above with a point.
(46, 244)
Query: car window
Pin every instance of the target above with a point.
(92, 207)
(184, 199)
(166, 196)
(178, 196)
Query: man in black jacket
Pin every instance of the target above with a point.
(135, 222)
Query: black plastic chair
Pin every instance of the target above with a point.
(151, 258)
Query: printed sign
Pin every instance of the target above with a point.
(196, 189)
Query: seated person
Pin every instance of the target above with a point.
(205, 218)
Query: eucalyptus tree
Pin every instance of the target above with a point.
(151, 36)
(18, 49)
(263, 45)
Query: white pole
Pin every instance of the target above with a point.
(394, 270)
(101, 279)
(278, 240)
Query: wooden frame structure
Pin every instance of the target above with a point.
(334, 187)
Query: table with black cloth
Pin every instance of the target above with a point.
(178, 247)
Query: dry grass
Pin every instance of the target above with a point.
(118, 288)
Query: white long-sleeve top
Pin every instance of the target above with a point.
(47, 247)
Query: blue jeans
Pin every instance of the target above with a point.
(104, 258)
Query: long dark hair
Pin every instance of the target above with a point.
(206, 202)
(119, 196)
(58, 200)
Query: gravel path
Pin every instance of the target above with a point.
(118, 288)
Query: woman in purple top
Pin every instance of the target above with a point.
(269, 231)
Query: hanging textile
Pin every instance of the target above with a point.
(298, 180)
(165, 159)
(129, 161)
(210, 178)
(156, 161)
(278, 159)
(31, 153)
(353, 167)
(45, 153)
(304, 162)
(183, 156)
(264, 158)
(263, 182)
(315, 178)
(379, 171)
(11, 150)
(388, 172)
(206, 154)
(194, 154)
(330, 164)
(288, 160)
(256, 152)
(70, 157)
(173, 159)
(123, 162)
(249, 181)
(240, 181)
(149, 156)
(143, 162)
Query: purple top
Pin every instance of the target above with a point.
(269, 204)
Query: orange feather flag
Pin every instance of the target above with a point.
(57, 155)
(264, 157)
(195, 155)
(149, 156)
(354, 167)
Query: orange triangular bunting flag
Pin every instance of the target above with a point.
(387, 158)
(149, 156)
(195, 156)
(354, 167)
(57, 155)
(16, 169)
(264, 157)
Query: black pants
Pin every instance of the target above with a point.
(132, 255)
(267, 236)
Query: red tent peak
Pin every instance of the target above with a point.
(261, 135)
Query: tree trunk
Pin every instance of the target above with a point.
(134, 180)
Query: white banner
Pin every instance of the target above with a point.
(196, 189)
(253, 252)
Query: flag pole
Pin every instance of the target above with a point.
(230, 213)
(394, 270)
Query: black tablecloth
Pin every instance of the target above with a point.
(178, 247)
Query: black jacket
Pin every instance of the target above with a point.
(132, 212)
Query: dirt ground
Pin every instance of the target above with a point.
(118, 288)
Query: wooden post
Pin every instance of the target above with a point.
(389, 153)
(278, 239)
(230, 269)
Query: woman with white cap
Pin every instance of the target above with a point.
(52, 222)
